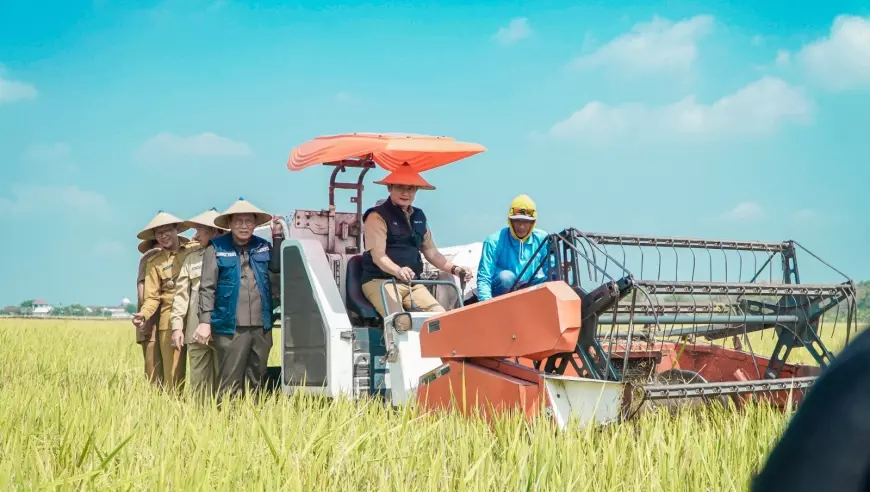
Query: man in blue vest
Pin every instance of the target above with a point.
(507, 252)
(235, 297)
(397, 237)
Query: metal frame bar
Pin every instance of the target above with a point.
(695, 320)
(694, 390)
(411, 284)
(677, 242)
(740, 288)
(365, 165)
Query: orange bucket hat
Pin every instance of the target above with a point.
(404, 175)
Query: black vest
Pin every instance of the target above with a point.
(403, 240)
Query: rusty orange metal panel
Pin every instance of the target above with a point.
(510, 368)
(535, 322)
(472, 389)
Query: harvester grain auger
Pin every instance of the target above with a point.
(590, 344)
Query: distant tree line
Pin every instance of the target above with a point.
(27, 307)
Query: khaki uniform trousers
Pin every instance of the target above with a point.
(163, 363)
(174, 361)
(423, 299)
(204, 368)
(146, 336)
(153, 364)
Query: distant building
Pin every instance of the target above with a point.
(11, 310)
(41, 308)
(116, 312)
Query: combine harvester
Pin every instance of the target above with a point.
(590, 345)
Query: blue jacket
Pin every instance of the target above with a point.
(502, 251)
(223, 317)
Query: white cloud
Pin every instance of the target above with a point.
(652, 46)
(744, 211)
(757, 109)
(840, 61)
(516, 30)
(757, 40)
(58, 151)
(343, 96)
(783, 58)
(12, 90)
(32, 201)
(166, 145)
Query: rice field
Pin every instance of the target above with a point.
(77, 414)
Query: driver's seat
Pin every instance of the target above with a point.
(356, 301)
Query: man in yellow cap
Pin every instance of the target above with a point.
(202, 358)
(161, 273)
(235, 297)
(396, 235)
(507, 252)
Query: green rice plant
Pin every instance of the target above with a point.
(77, 414)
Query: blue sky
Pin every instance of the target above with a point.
(741, 120)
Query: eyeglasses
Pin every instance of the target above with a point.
(242, 221)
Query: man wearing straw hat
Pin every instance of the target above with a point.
(202, 358)
(146, 333)
(396, 234)
(235, 296)
(161, 272)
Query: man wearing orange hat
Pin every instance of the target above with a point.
(396, 235)
(202, 358)
(161, 273)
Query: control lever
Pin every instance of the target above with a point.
(461, 286)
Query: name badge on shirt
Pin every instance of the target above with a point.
(227, 254)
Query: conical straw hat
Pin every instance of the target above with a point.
(148, 245)
(406, 176)
(161, 219)
(205, 219)
(242, 207)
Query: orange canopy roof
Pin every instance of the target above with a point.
(421, 152)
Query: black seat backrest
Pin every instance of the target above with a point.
(356, 301)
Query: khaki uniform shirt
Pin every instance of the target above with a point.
(186, 301)
(160, 277)
(146, 333)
